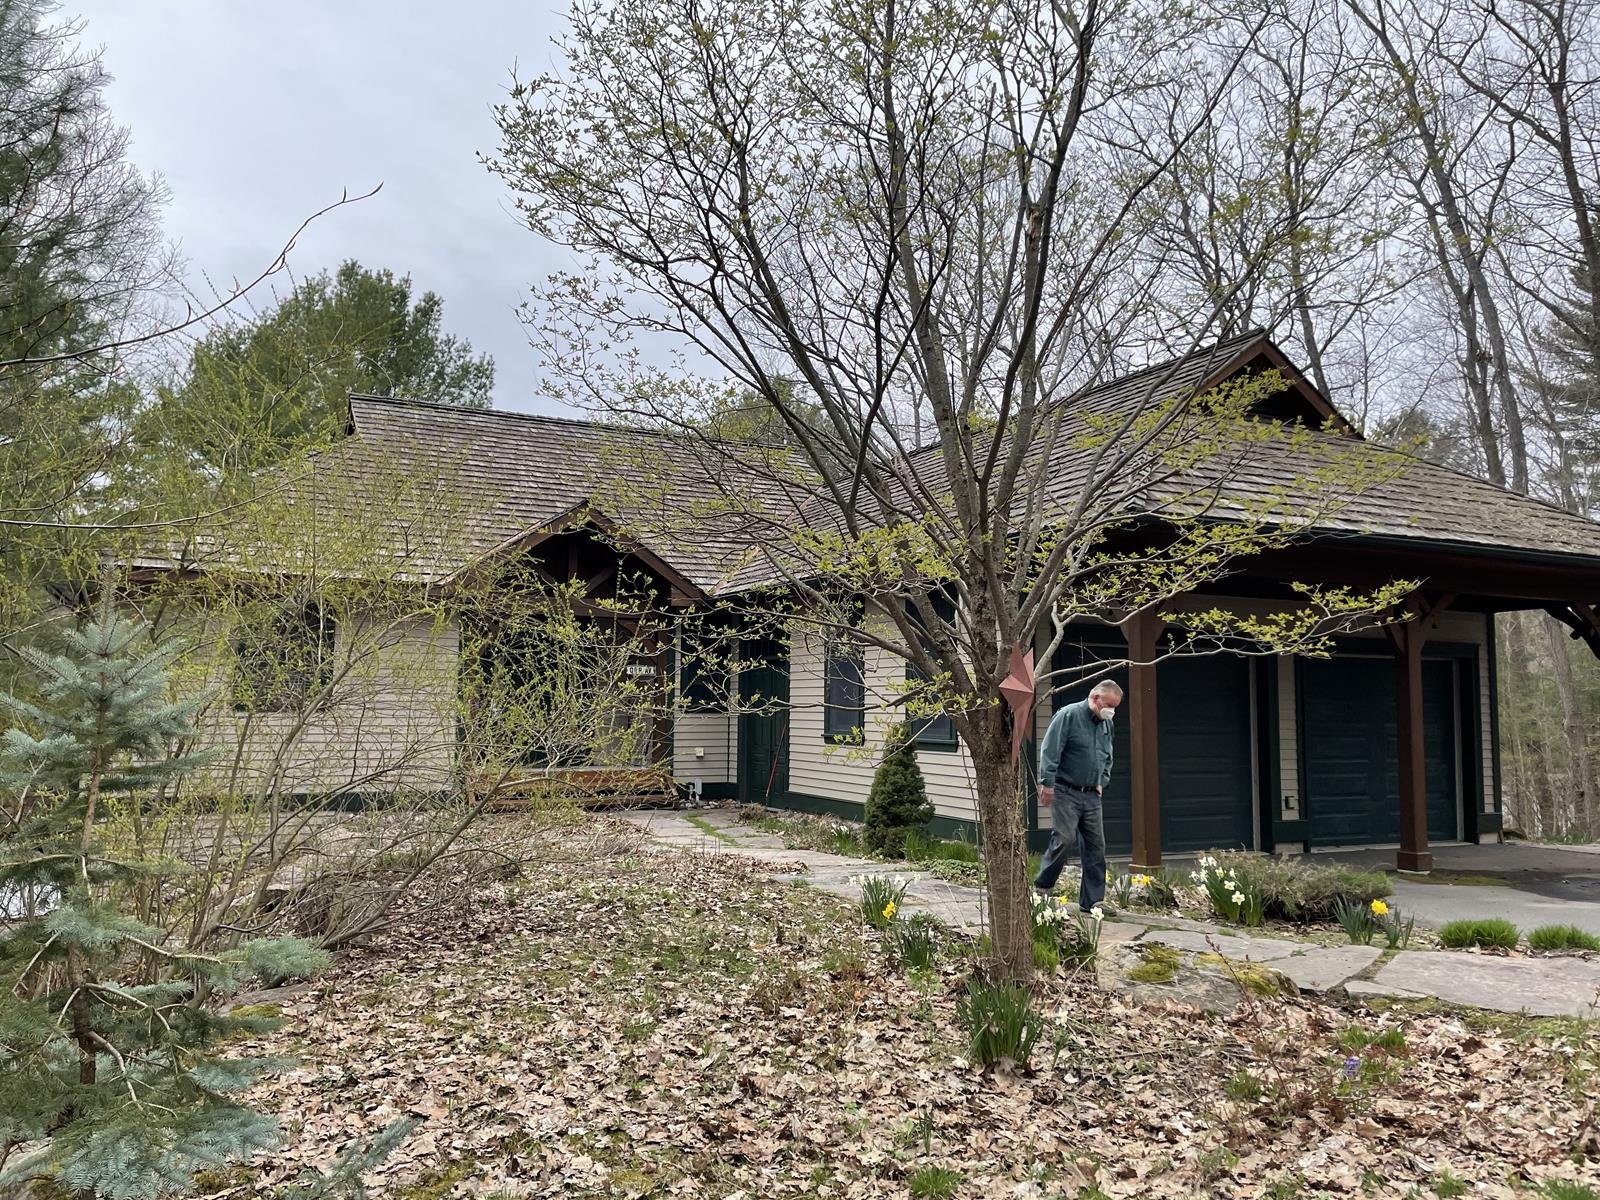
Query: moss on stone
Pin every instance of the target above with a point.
(1260, 980)
(1160, 964)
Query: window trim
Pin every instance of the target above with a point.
(844, 650)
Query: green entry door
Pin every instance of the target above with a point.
(1350, 751)
(1204, 751)
(764, 734)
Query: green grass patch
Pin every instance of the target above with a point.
(710, 830)
(1562, 937)
(1459, 879)
(922, 848)
(933, 1183)
(1493, 932)
(1560, 1189)
(1446, 1185)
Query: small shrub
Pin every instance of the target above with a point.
(1493, 932)
(1292, 890)
(1562, 937)
(1000, 1020)
(897, 804)
(916, 942)
(934, 1183)
(881, 896)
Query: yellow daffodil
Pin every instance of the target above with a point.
(888, 911)
(1379, 908)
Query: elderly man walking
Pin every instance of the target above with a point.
(1074, 768)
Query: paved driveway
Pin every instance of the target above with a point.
(1543, 885)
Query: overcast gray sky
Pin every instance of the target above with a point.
(258, 114)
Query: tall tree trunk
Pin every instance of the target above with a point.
(1579, 789)
(1005, 853)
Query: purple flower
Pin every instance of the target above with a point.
(1352, 1067)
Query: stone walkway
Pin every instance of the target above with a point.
(1537, 986)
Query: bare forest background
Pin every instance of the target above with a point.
(1405, 195)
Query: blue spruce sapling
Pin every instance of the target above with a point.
(115, 1080)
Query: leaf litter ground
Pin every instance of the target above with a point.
(618, 1021)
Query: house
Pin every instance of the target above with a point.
(1392, 740)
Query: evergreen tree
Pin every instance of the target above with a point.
(108, 1051)
(81, 256)
(254, 393)
(1569, 383)
(898, 802)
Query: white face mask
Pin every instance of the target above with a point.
(1105, 714)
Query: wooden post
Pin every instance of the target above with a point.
(1408, 639)
(1142, 630)
(1414, 854)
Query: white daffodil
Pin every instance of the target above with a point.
(1097, 913)
(1238, 897)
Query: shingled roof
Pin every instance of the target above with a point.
(507, 476)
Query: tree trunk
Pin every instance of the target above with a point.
(1005, 854)
(1579, 788)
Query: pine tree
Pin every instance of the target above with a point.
(898, 802)
(109, 1053)
(1569, 382)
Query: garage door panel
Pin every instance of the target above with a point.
(1204, 751)
(1350, 750)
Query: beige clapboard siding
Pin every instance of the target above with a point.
(717, 736)
(391, 725)
(817, 768)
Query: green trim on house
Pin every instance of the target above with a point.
(949, 828)
(853, 810)
(1492, 650)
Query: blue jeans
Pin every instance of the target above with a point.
(1075, 816)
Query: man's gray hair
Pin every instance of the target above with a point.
(1107, 687)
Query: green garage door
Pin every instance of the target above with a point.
(1205, 775)
(1350, 753)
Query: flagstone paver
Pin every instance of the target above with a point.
(1228, 945)
(1323, 968)
(1540, 986)
(1545, 987)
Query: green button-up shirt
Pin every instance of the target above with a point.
(1076, 750)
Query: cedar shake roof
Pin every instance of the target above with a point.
(510, 476)
(514, 474)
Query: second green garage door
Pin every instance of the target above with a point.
(1206, 783)
(1350, 756)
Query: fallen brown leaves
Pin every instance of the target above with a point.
(622, 1022)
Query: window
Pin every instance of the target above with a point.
(935, 732)
(844, 691)
(283, 659)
